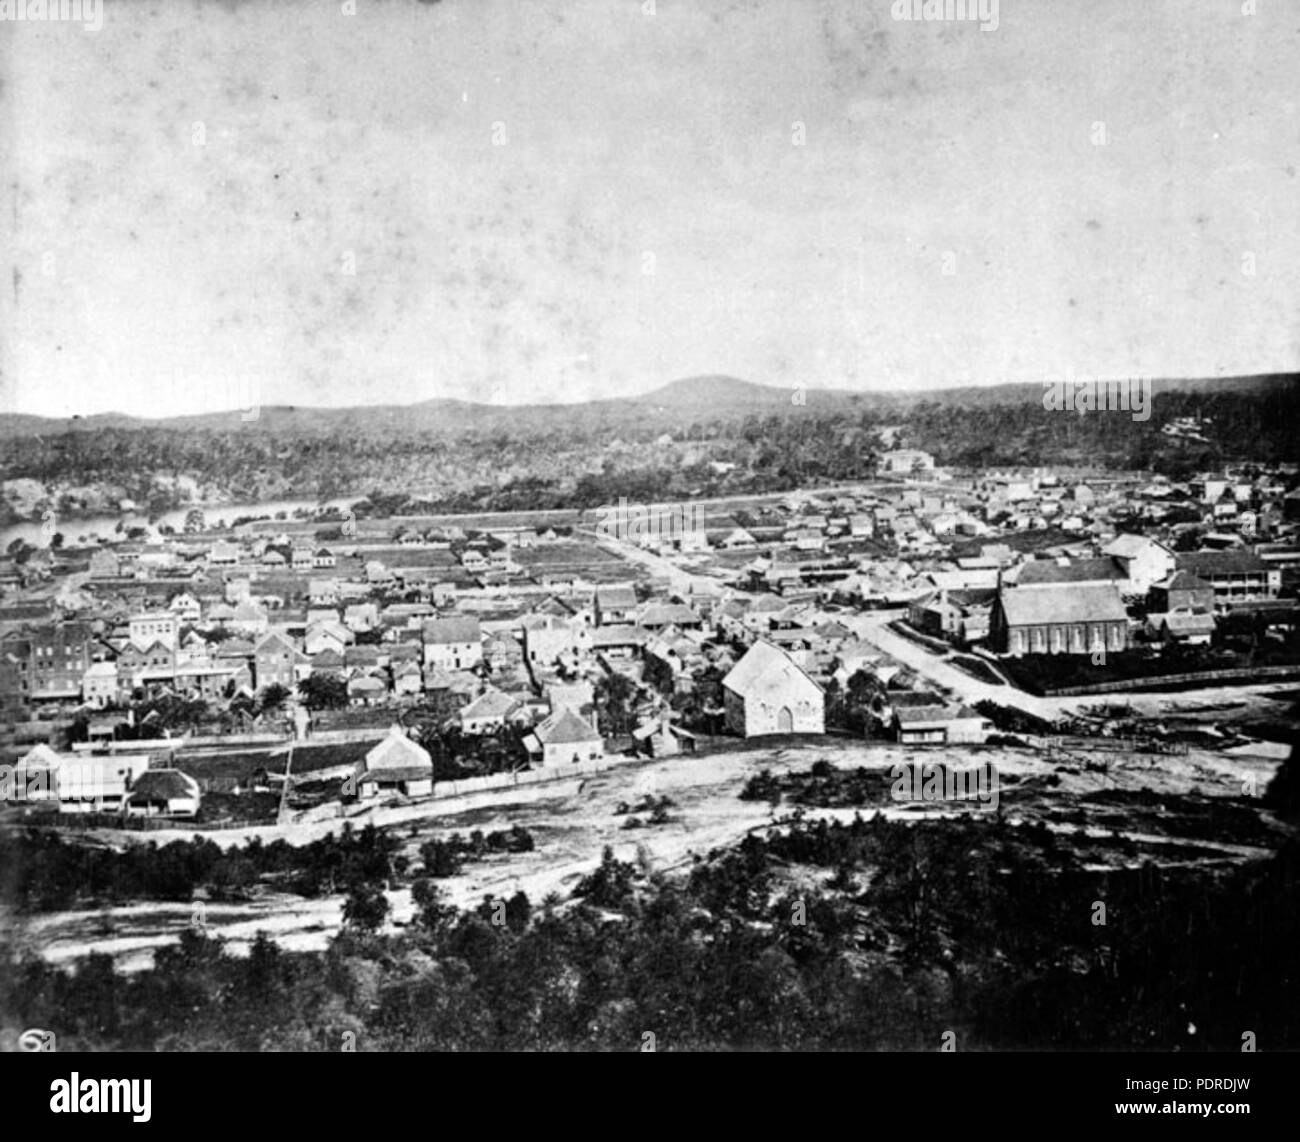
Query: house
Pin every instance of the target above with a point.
(923, 718)
(302, 558)
(548, 637)
(737, 537)
(408, 679)
(1181, 591)
(489, 711)
(361, 617)
(186, 608)
(323, 557)
(99, 685)
(580, 697)
(808, 539)
(395, 765)
(660, 738)
(1063, 618)
(458, 685)
(323, 592)
(1235, 576)
(139, 665)
(905, 461)
(564, 738)
(223, 554)
(97, 784)
(622, 641)
(276, 661)
(453, 643)
(378, 573)
(862, 525)
(154, 626)
(366, 690)
(614, 604)
(960, 615)
(249, 618)
(328, 634)
(474, 561)
(194, 650)
(1195, 628)
(163, 793)
(767, 693)
(502, 652)
(656, 616)
(1145, 561)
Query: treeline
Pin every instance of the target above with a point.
(582, 462)
(978, 927)
(43, 873)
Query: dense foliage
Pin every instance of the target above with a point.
(975, 926)
(577, 458)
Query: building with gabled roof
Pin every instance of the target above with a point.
(565, 738)
(1235, 576)
(489, 711)
(1064, 618)
(614, 604)
(453, 643)
(766, 692)
(163, 793)
(396, 765)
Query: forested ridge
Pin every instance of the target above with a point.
(569, 457)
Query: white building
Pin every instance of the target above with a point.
(767, 693)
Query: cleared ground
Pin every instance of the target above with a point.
(1116, 810)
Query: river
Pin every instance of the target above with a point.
(83, 530)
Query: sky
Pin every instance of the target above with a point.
(554, 200)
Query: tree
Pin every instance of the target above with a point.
(366, 908)
(614, 696)
(274, 696)
(323, 692)
(433, 910)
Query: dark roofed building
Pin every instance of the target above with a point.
(1051, 572)
(1235, 576)
(614, 604)
(1182, 591)
(163, 793)
(1060, 619)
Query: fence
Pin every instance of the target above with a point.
(528, 777)
(1195, 678)
(1063, 743)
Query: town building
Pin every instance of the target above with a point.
(1063, 618)
(766, 692)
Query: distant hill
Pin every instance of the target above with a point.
(677, 403)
